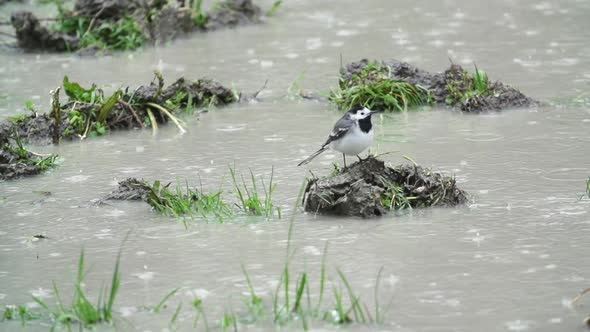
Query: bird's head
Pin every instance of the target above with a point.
(360, 112)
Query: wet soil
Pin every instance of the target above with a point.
(360, 189)
(130, 189)
(130, 111)
(159, 22)
(440, 85)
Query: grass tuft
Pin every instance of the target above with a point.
(374, 88)
(275, 6)
(191, 202)
(21, 312)
(462, 86)
(250, 199)
(82, 311)
(586, 194)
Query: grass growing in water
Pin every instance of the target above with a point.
(462, 86)
(92, 114)
(250, 199)
(394, 198)
(586, 194)
(274, 8)
(120, 34)
(177, 202)
(82, 311)
(374, 88)
(24, 156)
(292, 300)
(21, 312)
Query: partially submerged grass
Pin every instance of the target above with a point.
(122, 33)
(22, 161)
(292, 300)
(21, 312)
(586, 194)
(92, 114)
(82, 311)
(374, 88)
(394, 197)
(256, 198)
(178, 202)
(274, 8)
(253, 198)
(461, 86)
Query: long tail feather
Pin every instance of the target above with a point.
(313, 155)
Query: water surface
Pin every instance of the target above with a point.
(509, 261)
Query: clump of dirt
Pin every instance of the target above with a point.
(31, 35)
(454, 87)
(130, 189)
(369, 188)
(233, 13)
(16, 161)
(101, 25)
(88, 112)
(80, 117)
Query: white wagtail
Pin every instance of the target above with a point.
(352, 134)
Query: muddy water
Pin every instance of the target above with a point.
(510, 261)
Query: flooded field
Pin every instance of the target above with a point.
(510, 260)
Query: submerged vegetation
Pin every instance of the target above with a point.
(184, 201)
(81, 311)
(252, 201)
(17, 161)
(370, 188)
(99, 25)
(586, 193)
(398, 86)
(461, 86)
(90, 112)
(375, 88)
(292, 301)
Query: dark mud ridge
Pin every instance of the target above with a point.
(369, 188)
(88, 112)
(130, 189)
(454, 87)
(95, 25)
(16, 161)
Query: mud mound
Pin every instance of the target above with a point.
(95, 26)
(453, 87)
(11, 166)
(88, 112)
(31, 35)
(130, 189)
(16, 161)
(369, 188)
(79, 118)
(233, 13)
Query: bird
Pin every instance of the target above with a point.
(352, 134)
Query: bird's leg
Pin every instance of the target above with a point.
(344, 156)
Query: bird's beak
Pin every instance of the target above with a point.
(376, 111)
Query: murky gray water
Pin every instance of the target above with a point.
(510, 261)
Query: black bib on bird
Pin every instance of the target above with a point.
(365, 124)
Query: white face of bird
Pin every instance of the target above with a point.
(360, 114)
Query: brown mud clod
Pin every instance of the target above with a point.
(454, 87)
(102, 25)
(130, 189)
(369, 188)
(88, 112)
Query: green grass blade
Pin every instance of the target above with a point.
(162, 302)
(106, 108)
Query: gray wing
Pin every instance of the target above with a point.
(340, 128)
